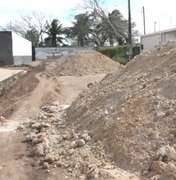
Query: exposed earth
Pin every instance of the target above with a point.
(68, 119)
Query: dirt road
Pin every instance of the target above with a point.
(15, 160)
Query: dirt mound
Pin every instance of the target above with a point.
(85, 63)
(11, 95)
(55, 144)
(133, 113)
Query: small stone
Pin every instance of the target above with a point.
(55, 103)
(54, 166)
(156, 177)
(80, 142)
(39, 151)
(106, 112)
(160, 114)
(48, 171)
(50, 158)
(60, 164)
(90, 85)
(73, 144)
(86, 137)
(35, 140)
(92, 174)
(21, 127)
(71, 151)
(30, 137)
(35, 125)
(170, 112)
(45, 165)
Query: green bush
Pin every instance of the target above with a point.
(121, 59)
(119, 53)
(16, 77)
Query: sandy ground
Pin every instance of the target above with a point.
(6, 73)
(15, 160)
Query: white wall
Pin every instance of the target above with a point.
(169, 36)
(150, 41)
(52, 52)
(21, 46)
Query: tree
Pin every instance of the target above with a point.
(80, 29)
(33, 36)
(121, 26)
(54, 31)
(29, 24)
(114, 22)
(98, 33)
(95, 6)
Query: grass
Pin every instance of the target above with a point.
(16, 77)
(121, 59)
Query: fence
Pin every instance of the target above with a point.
(47, 53)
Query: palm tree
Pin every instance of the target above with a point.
(121, 26)
(54, 31)
(80, 30)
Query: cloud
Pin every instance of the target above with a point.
(12, 9)
(163, 12)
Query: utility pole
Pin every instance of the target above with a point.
(155, 26)
(129, 31)
(144, 19)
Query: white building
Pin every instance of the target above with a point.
(148, 41)
(14, 50)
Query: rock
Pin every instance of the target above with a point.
(160, 114)
(89, 85)
(49, 158)
(106, 112)
(35, 140)
(43, 147)
(92, 174)
(73, 144)
(71, 151)
(167, 152)
(39, 150)
(55, 103)
(48, 171)
(170, 170)
(156, 177)
(80, 142)
(45, 165)
(86, 137)
(21, 127)
(29, 137)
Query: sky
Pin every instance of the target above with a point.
(159, 15)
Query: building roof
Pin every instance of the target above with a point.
(159, 32)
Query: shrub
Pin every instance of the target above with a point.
(119, 53)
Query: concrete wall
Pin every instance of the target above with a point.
(22, 50)
(150, 41)
(46, 53)
(6, 54)
(168, 36)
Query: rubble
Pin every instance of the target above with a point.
(126, 121)
(60, 145)
(132, 111)
(86, 63)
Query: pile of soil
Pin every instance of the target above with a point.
(86, 63)
(133, 113)
(11, 95)
(55, 145)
